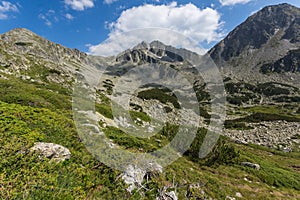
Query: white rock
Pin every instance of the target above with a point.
(52, 151)
(238, 195)
(252, 165)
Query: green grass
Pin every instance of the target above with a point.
(31, 112)
(276, 167)
(105, 110)
(141, 115)
(146, 144)
(265, 113)
(236, 125)
(83, 177)
(47, 96)
(25, 176)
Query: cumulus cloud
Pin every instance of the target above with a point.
(233, 2)
(187, 20)
(6, 7)
(79, 5)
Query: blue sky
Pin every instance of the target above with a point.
(84, 24)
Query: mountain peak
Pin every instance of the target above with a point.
(21, 35)
(280, 10)
(282, 21)
(20, 32)
(284, 6)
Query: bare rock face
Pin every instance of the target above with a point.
(52, 151)
(257, 30)
(264, 47)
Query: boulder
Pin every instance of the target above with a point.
(252, 165)
(164, 195)
(134, 175)
(52, 151)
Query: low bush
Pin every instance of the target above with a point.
(160, 95)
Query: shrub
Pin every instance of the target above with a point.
(160, 95)
(236, 125)
(270, 89)
(223, 154)
(141, 115)
(105, 110)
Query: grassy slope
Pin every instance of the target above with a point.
(30, 113)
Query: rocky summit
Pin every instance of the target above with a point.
(264, 47)
(116, 133)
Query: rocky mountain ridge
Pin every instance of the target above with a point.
(264, 47)
(41, 103)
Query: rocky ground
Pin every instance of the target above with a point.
(278, 134)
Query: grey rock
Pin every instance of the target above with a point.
(238, 194)
(273, 134)
(287, 149)
(252, 165)
(133, 176)
(230, 198)
(164, 195)
(52, 151)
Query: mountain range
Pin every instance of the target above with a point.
(256, 156)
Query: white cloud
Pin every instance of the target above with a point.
(45, 19)
(233, 2)
(6, 7)
(109, 1)
(79, 5)
(49, 17)
(186, 20)
(69, 16)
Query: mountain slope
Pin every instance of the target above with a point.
(36, 87)
(257, 46)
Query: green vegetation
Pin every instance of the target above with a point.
(268, 113)
(270, 89)
(161, 95)
(231, 124)
(287, 99)
(140, 115)
(241, 92)
(271, 172)
(136, 107)
(108, 84)
(105, 110)
(233, 88)
(222, 153)
(25, 176)
(33, 112)
(23, 43)
(145, 144)
(257, 117)
(36, 95)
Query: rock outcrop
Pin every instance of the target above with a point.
(52, 151)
